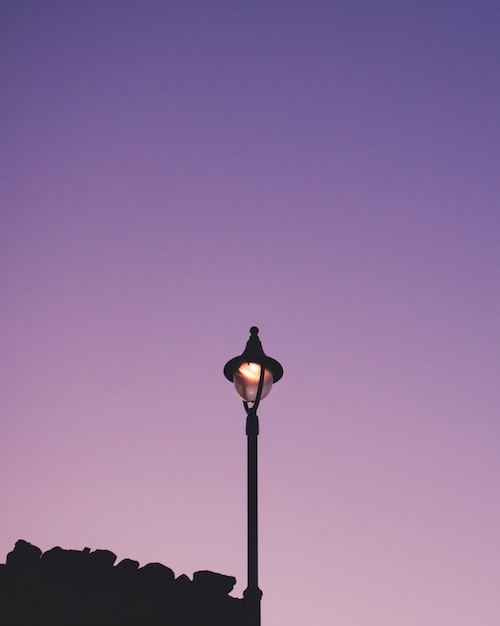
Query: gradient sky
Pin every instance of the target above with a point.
(174, 172)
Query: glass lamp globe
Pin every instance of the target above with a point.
(246, 381)
(244, 370)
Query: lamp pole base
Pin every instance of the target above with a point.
(252, 606)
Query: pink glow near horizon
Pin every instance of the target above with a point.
(174, 173)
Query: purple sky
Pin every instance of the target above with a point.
(173, 173)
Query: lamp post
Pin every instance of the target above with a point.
(253, 374)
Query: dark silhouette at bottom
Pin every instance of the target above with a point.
(87, 588)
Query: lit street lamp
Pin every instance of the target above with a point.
(253, 374)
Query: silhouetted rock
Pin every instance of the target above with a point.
(157, 572)
(81, 587)
(127, 565)
(102, 558)
(63, 562)
(24, 555)
(213, 583)
(182, 582)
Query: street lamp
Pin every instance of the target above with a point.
(253, 374)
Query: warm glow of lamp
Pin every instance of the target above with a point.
(246, 381)
(244, 370)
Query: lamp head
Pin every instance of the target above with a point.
(245, 370)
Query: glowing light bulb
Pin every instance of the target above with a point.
(246, 381)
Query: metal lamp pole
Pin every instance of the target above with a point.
(253, 374)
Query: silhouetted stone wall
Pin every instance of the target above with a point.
(78, 588)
